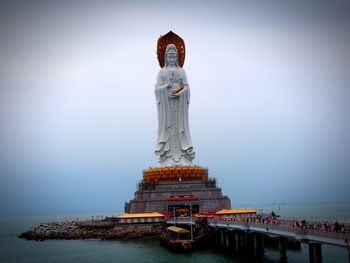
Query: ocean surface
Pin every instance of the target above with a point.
(13, 249)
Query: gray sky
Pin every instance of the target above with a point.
(269, 112)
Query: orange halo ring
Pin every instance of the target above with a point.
(164, 41)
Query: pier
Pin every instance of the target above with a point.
(247, 236)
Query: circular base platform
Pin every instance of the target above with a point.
(180, 173)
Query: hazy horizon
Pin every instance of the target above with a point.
(269, 111)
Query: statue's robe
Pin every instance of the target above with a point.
(162, 92)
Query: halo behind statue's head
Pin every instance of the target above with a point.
(162, 44)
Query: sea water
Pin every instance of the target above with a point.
(14, 249)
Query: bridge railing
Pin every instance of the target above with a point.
(266, 226)
(287, 228)
(181, 219)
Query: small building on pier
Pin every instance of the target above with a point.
(241, 213)
(141, 218)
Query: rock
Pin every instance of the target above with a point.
(70, 230)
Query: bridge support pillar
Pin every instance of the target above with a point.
(217, 237)
(315, 253)
(245, 240)
(282, 249)
(237, 241)
(227, 239)
(258, 241)
(222, 237)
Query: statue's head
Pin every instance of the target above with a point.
(171, 55)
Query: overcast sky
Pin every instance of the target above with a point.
(269, 111)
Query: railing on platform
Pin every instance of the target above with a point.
(294, 231)
(180, 220)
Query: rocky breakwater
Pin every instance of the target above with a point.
(96, 230)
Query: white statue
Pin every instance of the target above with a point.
(174, 145)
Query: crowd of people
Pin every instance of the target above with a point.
(325, 226)
(321, 226)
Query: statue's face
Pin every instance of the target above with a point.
(171, 58)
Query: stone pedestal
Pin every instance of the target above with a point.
(176, 186)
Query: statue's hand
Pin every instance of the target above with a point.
(170, 85)
(177, 90)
